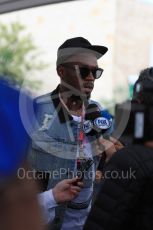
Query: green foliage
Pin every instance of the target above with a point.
(18, 54)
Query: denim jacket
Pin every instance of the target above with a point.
(54, 141)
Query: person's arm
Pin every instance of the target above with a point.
(64, 191)
(48, 204)
(106, 148)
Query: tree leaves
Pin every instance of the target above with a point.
(18, 54)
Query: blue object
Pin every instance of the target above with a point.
(106, 114)
(13, 137)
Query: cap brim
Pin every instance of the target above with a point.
(65, 53)
(98, 50)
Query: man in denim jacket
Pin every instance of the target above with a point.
(59, 144)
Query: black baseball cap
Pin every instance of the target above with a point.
(77, 45)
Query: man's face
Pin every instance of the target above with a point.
(78, 74)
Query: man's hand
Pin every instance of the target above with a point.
(110, 146)
(67, 190)
(117, 143)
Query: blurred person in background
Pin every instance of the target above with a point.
(146, 76)
(19, 206)
(125, 200)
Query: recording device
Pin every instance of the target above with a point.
(139, 126)
(83, 167)
(96, 122)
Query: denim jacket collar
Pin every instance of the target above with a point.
(61, 110)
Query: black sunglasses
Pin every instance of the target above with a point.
(85, 70)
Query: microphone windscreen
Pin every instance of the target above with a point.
(92, 112)
(97, 122)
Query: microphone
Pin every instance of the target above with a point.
(96, 122)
